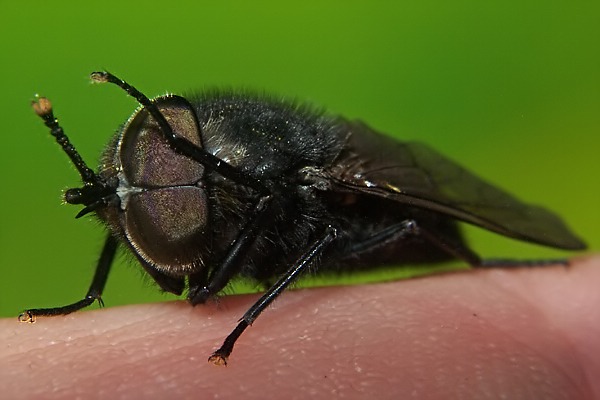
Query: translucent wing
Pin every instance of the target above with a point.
(412, 173)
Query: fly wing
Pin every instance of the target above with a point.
(412, 173)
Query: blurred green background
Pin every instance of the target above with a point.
(511, 89)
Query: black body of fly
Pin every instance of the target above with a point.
(203, 189)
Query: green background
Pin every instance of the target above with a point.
(511, 89)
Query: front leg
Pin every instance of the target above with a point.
(94, 292)
(203, 287)
(315, 249)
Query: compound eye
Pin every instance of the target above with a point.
(145, 155)
(167, 226)
(165, 212)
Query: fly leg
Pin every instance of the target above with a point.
(203, 287)
(452, 247)
(462, 252)
(408, 228)
(383, 237)
(179, 143)
(220, 356)
(509, 262)
(94, 292)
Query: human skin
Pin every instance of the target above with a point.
(520, 333)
